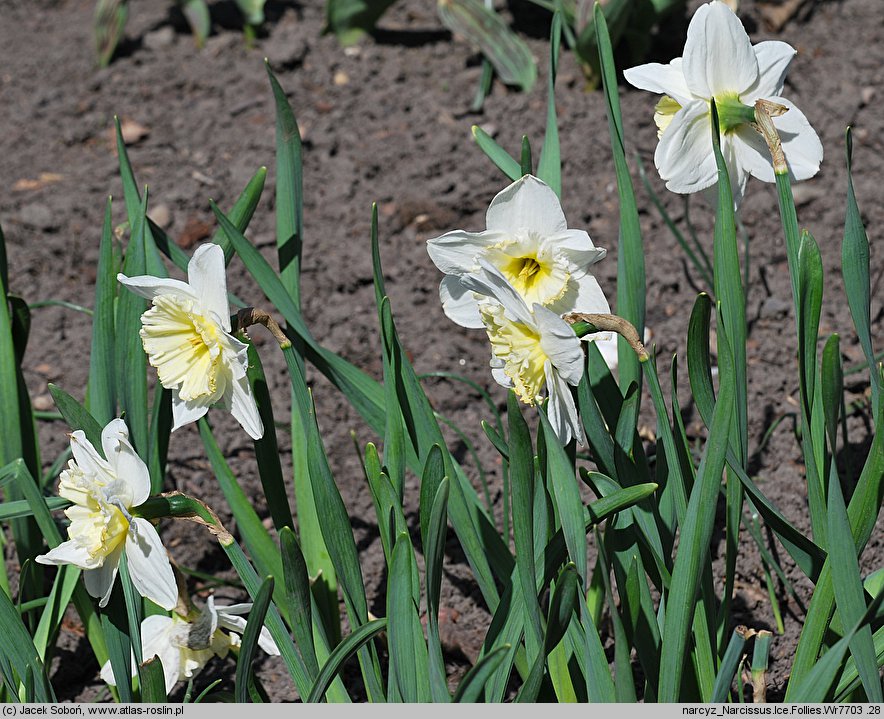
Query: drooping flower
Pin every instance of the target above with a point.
(533, 351)
(103, 491)
(528, 241)
(186, 335)
(186, 644)
(720, 63)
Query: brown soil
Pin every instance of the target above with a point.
(390, 123)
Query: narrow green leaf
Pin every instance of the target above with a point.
(17, 652)
(549, 168)
(855, 270)
(630, 253)
(405, 658)
(500, 157)
(485, 29)
(729, 664)
(101, 395)
(76, 415)
(297, 592)
(696, 533)
(346, 649)
(434, 554)
(153, 681)
(249, 646)
(471, 686)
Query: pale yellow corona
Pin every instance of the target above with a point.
(518, 346)
(664, 111)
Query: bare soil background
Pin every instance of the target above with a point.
(389, 122)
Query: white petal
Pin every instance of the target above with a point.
(156, 640)
(186, 412)
(125, 462)
(752, 153)
(68, 553)
(718, 56)
(208, 278)
(773, 59)
(502, 378)
(560, 344)
(455, 252)
(238, 624)
(87, 457)
(684, 155)
(244, 408)
(801, 144)
(100, 581)
(737, 172)
(662, 79)
(150, 287)
(149, 565)
(560, 409)
(528, 204)
(584, 295)
(577, 247)
(459, 304)
(491, 283)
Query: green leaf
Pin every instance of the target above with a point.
(76, 415)
(249, 646)
(153, 681)
(346, 649)
(549, 168)
(500, 157)
(470, 688)
(109, 26)
(197, 14)
(101, 395)
(297, 592)
(434, 554)
(486, 31)
(349, 20)
(696, 532)
(855, 271)
(630, 253)
(408, 653)
(19, 656)
(729, 664)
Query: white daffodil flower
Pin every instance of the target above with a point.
(186, 335)
(528, 241)
(103, 491)
(720, 63)
(185, 646)
(532, 349)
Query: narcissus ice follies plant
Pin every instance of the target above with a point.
(186, 335)
(103, 491)
(186, 644)
(532, 349)
(528, 242)
(720, 63)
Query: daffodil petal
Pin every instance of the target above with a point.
(684, 154)
(149, 287)
(185, 412)
(560, 345)
(526, 205)
(718, 55)
(125, 462)
(149, 564)
(157, 641)
(458, 303)
(752, 153)
(207, 277)
(576, 246)
(560, 409)
(100, 581)
(455, 252)
(502, 378)
(584, 295)
(801, 144)
(243, 407)
(491, 283)
(773, 57)
(69, 552)
(662, 79)
(87, 457)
